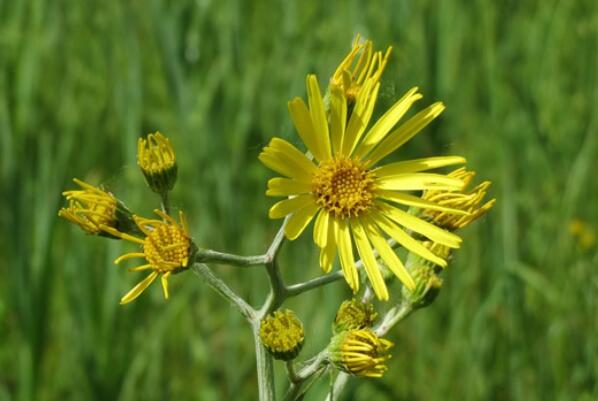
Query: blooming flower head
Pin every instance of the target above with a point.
(352, 201)
(91, 208)
(470, 202)
(282, 334)
(166, 248)
(360, 352)
(157, 161)
(360, 65)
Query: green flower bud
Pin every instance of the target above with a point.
(427, 286)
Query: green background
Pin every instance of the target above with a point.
(80, 81)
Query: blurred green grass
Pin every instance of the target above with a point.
(80, 81)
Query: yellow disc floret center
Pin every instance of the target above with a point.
(343, 187)
(167, 248)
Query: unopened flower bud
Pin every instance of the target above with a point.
(157, 161)
(354, 314)
(282, 334)
(427, 285)
(360, 353)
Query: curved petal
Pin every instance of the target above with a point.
(284, 187)
(419, 182)
(417, 165)
(338, 117)
(292, 152)
(139, 288)
(420, 226)
(164, 280)
(274, 160)
(360, 117)
(305, 127)
(388, 255)
(321, 229)
(288, 206)
(318, 116)
(345, 247)
(328, 253)
(387, 121)
(411, 200)
(369, 261)
(405, 239)
(404, 133)
(299, 220)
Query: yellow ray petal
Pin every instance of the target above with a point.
(139, 288)
(318, 116)
(288, 206)
(419, 182)
(295, 154)
(140, 268)
(299, 220)
(388, 255)
(305, 127)
(406, 240)
(387, 121)
(360, 117)
(420, 226)
(369, 261)
(285, 187)
(338, 116)
(321, 229)
(328, 253)
(164, 280)
(417, 165)
(282, 163)
(404, 133)
(129, 256)
(343, 240)
(118, 234)
(411, 200)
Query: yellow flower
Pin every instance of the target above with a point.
(282, 334)
(360, 353)
(458, 199)
(166, 248)
(352, 201)
(91, 208)
(157, 161)
(360, 65)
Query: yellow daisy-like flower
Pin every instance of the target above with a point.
(360, 65)
(156, 158)
(354, 202)
(166, 248)
(469, 202)
(90, 208)
(360, 352)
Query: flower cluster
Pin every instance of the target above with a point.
(165, 244)
(362, 206)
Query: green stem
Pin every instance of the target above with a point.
(225, 291)
(265, 372)
(208, 255)
(165, 202)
